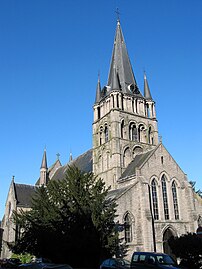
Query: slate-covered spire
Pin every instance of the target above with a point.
(121, 62)
(44, 160)
(147, 93)
(115, 81)
(98, 91)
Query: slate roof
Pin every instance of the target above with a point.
(84, 162)
(136, 163)
(24, 194)
(114, 194)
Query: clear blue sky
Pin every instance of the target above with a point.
(50, 54)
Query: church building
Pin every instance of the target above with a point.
(155, 199)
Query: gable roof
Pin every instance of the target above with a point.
(84, 162)
(24, 194)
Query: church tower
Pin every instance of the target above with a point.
(124, 120)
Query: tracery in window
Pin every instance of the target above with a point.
(175, 202)
(165, 197)
(128, 228)
(155, 199)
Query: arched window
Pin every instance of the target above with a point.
(128, 228)
(140, 133)
(150, 138)
(101, 130)
(126, 157)
(106, 132)
(133, 132)
(122, 129)
(175, 203)
(165, 197)
(155, 199)
(137, 150)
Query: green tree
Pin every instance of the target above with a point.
(71, 221)
(188, 248)
(199, 192)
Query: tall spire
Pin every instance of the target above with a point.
(121, 62)
(98, 90)
(147, 93)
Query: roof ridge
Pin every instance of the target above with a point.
(149, 155)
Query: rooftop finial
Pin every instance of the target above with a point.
(58, 156)
(117, 14)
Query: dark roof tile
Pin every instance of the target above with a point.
(24, 194)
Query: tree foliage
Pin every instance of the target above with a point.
(71, 221)
(188, 247)
(199, 192)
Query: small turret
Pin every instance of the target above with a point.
(147, 93)
(98, 91)
(44, 170)
(150, 104)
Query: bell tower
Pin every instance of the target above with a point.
(124, 120)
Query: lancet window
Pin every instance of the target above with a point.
(128, 228)
(165, 197)
(154, 199)
(175, 202)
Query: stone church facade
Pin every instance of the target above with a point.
(155, 199)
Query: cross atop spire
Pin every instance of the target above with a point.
(58, 156)
(117, 14)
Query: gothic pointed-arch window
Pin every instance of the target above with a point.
(165, 197)
(175, 202)
(128, 228)
(106, 133)
(155, 199)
